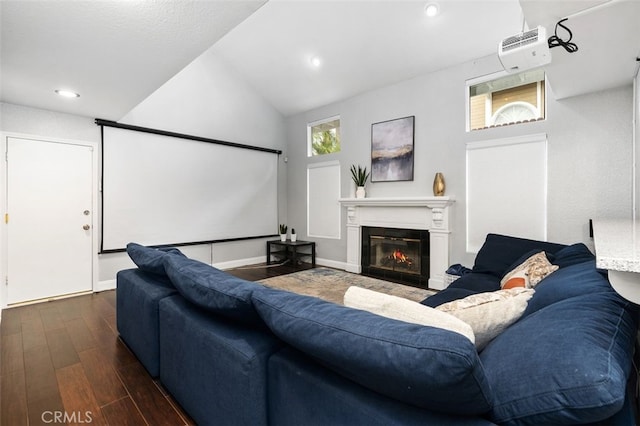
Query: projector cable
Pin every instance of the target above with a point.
(555, 40)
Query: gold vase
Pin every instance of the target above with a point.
(438, 185)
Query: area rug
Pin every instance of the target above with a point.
(331, 284)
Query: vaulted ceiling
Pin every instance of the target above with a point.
(113, 53)
(116, 53)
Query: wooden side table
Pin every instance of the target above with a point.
(289, 250)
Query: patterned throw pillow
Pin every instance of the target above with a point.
(533, 270)
(489, 313)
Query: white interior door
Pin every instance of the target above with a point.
(50, 227)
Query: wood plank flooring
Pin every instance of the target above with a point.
(61, 362)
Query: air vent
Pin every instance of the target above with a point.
(520, 40)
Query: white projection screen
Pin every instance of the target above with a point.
(159, 189)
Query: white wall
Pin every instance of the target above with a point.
(589, 151)
(205, 99)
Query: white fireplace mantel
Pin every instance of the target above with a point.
(430, 213)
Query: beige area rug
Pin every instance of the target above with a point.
(331, 284)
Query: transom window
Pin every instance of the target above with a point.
(324, 136)
(505, 99)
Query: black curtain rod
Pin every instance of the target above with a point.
(109, 123)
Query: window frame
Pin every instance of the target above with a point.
(542, 97)
(313, 124)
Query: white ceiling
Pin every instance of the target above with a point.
(363, 45)
(116, 53)
(607, 33)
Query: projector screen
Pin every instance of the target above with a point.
(168, 189)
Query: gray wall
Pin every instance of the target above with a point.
(589, 150)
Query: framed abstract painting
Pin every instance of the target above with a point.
(392, 150)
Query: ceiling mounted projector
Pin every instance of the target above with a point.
(529, 49)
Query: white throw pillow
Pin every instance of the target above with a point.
(490, 313)
(404, 310)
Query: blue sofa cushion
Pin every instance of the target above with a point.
(477, 282)
(571, 281)
(214, 367)
(137, 297)
(213, 289)
(425, 366)
(315, 396)
(150, 259)
(565, 364)
(499, 252)
(572, 255)
(466, 285)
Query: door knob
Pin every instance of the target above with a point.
(86, 227)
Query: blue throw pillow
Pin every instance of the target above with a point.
(571, 281)
(425, 366)
(565, 364)
(212, 289)
(150, 259)
(499, 252)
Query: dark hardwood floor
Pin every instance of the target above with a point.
(61, 362)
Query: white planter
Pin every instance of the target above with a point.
(283, 237)
(360, 192)
(294, 237)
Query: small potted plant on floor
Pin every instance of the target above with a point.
(359, 176)
(283, 232)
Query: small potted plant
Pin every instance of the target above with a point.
(294, 237)
(359, 176)
(283, 232)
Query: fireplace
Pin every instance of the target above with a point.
(400, 255)
(431, 214)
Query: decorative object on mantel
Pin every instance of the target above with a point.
(392, 150)
(283, 232)
(359, 176)
(294, 236)
(438, 185)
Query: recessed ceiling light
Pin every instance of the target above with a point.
(315, 61)
(67, 93)
(431, 9)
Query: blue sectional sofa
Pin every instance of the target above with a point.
(234, 352)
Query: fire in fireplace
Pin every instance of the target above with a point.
(400, 255)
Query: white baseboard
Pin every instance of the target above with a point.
(332, 263)
(104, 285)
(239, 262)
